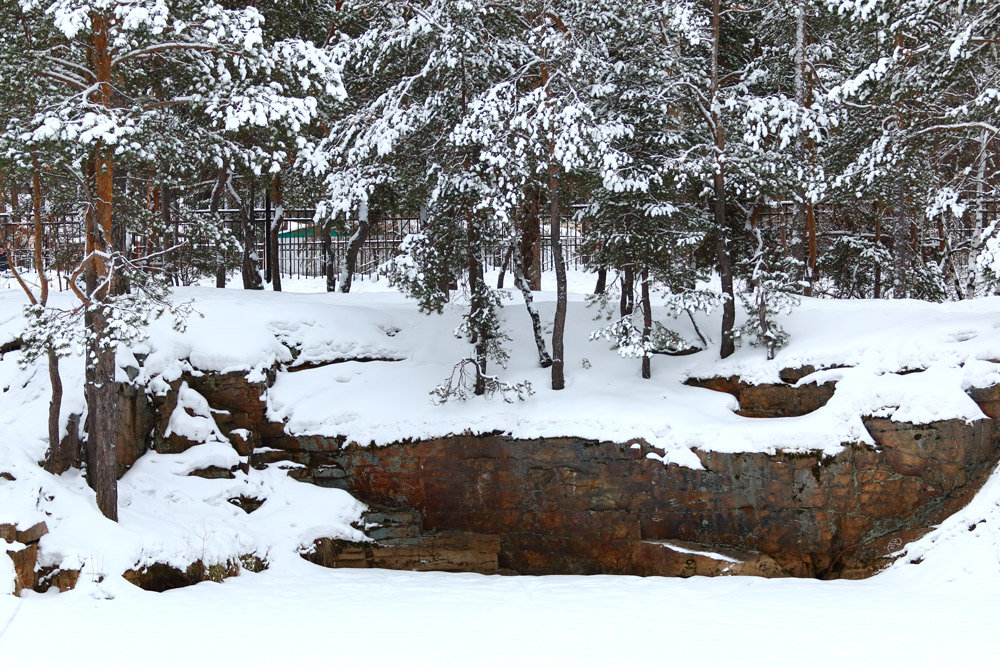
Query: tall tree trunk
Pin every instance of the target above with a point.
(215, 203)
(530, 237)
(504, 263)
(812, 256)
(55, 459)
(100, 390)
(102, 283)
(277, 198)
(477, 302)
(103, 413)
(544, 360)
(900, 250)
(245, 234)
(728, 345)
(877, 287)
(804, 213)
(39, 231)
(760, 269)
(980, 221)
(58, 459)
(647, 322)
(602, 280)
(329, 256)
(166, 217)
(626, 304)
(559, 324)
(354, 245)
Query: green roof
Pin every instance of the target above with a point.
(304, 233)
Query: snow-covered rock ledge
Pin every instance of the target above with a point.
(577, 505)
(339, 369)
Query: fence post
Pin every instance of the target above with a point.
(267, 236)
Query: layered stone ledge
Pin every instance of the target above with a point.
(566, 505)
(492, 503)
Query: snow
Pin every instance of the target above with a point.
(304, 614)
(936, 601)
(166, 516)
(192, 418)
(954, 344)
(6, 572)
(696, 552)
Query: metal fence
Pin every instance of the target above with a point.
(300, 248)
(300, 245)
(300, 252)
(62, 245)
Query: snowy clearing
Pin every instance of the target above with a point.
(308, 614)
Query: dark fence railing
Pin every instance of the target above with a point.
(302, 255)
(300, 247)
(300, 244)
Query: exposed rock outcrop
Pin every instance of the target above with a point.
(160, 577)
(772, 400)
(22, 548)
(489, 503)
(575, 506)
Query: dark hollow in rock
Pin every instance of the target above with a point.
(247, 503)
(449, 551)
(214, 472)
(399, 543)
(63, 580)
(770, 400)
(160, 577)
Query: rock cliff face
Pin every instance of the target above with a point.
(574, 506)
(492, 503)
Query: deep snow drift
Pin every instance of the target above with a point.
(167, 516)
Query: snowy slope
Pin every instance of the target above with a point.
(953, 344)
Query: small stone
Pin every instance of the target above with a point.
(33, 534)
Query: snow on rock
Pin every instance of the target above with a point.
(251, 332)
(192, 418)
(870, 341)
(965, 547)
(697, 552)
(165, 515)
(169, 516)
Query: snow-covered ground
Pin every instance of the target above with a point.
(304, 614)
(941, 608)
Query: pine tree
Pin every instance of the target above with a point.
(926, 89)
(118, 74)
